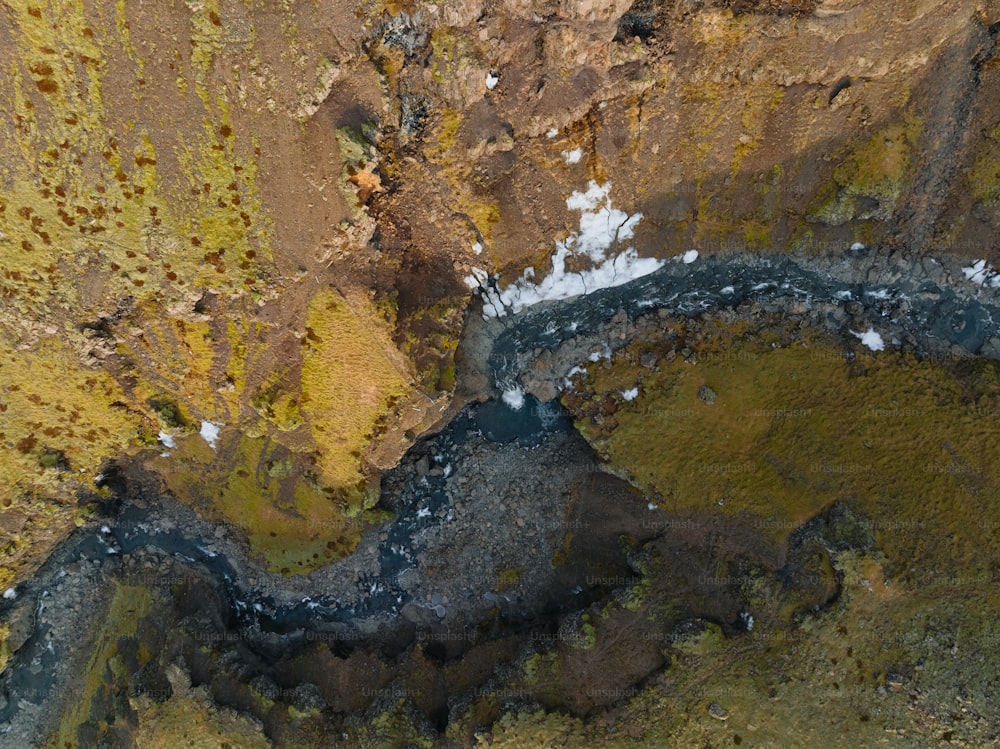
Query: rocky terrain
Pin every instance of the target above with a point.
(287, 460)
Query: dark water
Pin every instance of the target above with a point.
(923, 309)
(527, 425)
(30, 674)
(931, 313)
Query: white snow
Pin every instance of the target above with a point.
(598, 355)
(747, 620)
(727, 290)
(857, 246)
(574, 156)
(879, 294)
(982, 273)
(10, 594)
(166, 439)
(477, 248)
(568, 379)
(492, 80)
(423, 512)
(477, 278)
(210, 433)
(601, 228)
(844, 295)
(689, 257)
(630, 394)
(871, 339)
(514, 398)
(552, 133)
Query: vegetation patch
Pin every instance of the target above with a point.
(269, 493)
(349, 380)
(795, 425)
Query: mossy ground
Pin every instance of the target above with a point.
(798, 421)
(349, 380)
(265, 490)
(138, 220)
(796, 425)
(58, 426)
(190, 718)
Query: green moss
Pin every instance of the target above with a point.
(870, 179)
(276, 404)
(796, 427)
(268, 492)
(983, 179)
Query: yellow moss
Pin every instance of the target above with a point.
(451, 52)
(206, 37)
(983, 179)
(4, 646)
(348, 380)
(49, 405)
(876, 169)
(451, 119)
(202, 724)
(83, 201)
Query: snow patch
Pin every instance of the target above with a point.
(514, 398)
(10, 594)
(492, 80)
(166, 439)
(552, 133)
(879, 294)
(574, 156)
(871, 339)
(857, 247)
(477, 248)
(602, 227)
(596, 356)
(727, 290)
(477, 278)
(980, 272)
(630, 394)
(210, 433)
(688, 257)
(843, 295)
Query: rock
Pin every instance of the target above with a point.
(706, 394)
(423, 466)
(718, 712)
